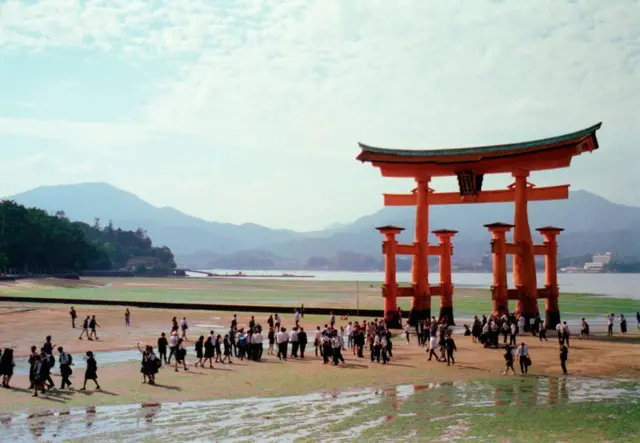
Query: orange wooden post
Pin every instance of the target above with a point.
(390, 287)
(499, 251)
(421, 302)
(552, 310)
(446, 297)
(524, 266)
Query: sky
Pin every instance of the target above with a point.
(252, 110)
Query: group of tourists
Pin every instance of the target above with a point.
(89, 324)
(41, 364)
(329, 343)
(437, 337)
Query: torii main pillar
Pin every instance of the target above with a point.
(421, 301)
(524, 265)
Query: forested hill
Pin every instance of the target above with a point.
(31, 240)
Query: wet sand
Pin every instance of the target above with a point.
(24, 325)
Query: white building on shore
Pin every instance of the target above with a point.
(598, 263)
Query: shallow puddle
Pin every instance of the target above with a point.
(480, 410)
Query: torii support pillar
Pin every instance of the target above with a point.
(499, 290)
(524, 266)
(446, 285)
(421, 302)
(552, 311)
(390, 287)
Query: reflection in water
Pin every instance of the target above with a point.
(446, 409)
(90, 415)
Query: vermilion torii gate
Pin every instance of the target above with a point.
(470, 166)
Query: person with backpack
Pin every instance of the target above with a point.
(65, 360)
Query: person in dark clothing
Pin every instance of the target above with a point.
(73, 315)
(209, 351)
(93, 324)
(227, 349)
(41, 373)
(65, 368)
(508, 360)
(302, 341)
(33, 357)
(543, 331)
(451, 347)
(232, 341)
(359, 341)
(91, 373)
(199, 348)
(162, 347)
(564, 356)
(85, 328)
(6, 366)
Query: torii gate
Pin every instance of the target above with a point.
(470, 165)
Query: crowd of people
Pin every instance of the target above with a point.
(329, 341)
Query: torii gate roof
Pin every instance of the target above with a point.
(547, 153)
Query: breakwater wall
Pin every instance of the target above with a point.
(191, 306)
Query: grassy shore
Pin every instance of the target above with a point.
(336, 294)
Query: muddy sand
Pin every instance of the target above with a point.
(23, 325)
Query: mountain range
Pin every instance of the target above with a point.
(592, 224)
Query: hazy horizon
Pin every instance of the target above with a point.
(250, 111)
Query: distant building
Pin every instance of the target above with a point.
(598, 263)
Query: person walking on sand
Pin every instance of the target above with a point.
(41, 368)
(297, 317)
(623, 324)
(181, 354)
(85, 328)
(91, 373)
(523, 358)
(564, 356)
(610, 319)
(227, 350)
(317, 340)
(293, 338)
(65, 361)
(208, 352)
(218, 346)
(514, 334)
(33, 358)
(407, 331)
(332, 319)
(542, 334)
(73, 315)
(6, 367)
(199, 348)
(162, 347)
(451, 347)
(184, 326)
(282, 338)
(566, 334)
(93, 324)
(302, 341)
(127, 317)
(584, 329)
(433, 346)
(508, 360)
(271, 336)
(173, 343)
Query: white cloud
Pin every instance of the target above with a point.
(314, 77)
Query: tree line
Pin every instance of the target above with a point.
(33, 241)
